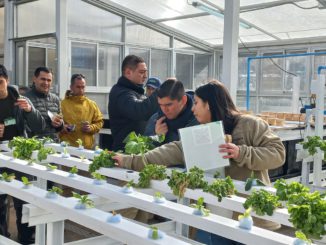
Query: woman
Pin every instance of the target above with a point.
(254, 147)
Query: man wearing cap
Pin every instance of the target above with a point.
(174, 113)
(153, 83)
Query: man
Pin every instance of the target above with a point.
(129, 108)
(174, 113)
(16, 114)
(46, 102)
(152, 84)
(82, 117)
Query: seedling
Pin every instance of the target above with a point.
(98, 178)
(73, 170)
(115, 218)
(54, 192)
(80, 144)
(7, 177)
(98, 150)
(26, 182)
(64, 144)
(301, 239)
(128, 188)
(51, 167)
(154, 233)
(31, 162)
(159, 198)
(65, 153)
(43, 153)
(83, 201)
(200, 208)
(252, 181)
(245, 220)
(83, 158)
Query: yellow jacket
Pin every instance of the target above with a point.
(78, 109)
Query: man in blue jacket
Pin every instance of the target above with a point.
(174, 113)
(129, 108)
(17, 114)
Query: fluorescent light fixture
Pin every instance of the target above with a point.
(215, 12)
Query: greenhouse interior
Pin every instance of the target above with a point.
(162, 122)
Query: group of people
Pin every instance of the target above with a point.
(162, 109)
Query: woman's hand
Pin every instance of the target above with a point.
(231, 149)
(118, 160)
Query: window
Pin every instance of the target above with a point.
(296, 66)
(160, 64)
(243, 67)
(108, 65)
(272, 79)
(184, 69)
(319, 60)
(83, 60)
(144, 53)
(202, 68)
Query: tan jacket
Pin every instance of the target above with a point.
(260, 150)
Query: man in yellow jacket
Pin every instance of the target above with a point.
(82, 117)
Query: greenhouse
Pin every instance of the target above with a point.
(162, 122)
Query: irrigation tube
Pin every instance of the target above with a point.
(274, 56)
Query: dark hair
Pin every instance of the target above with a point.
(131, 61)
(75, 77)
(220, 104)
(171, 88)
(3, 72)
(42, 69)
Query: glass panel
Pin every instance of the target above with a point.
(160, 64)
(51, 62)
(36, 58)
(83, 60)
(138, 34)
(296, 65)
(202, 68)
(108, 65)
(90, 22)
(20, 79)
(144, 53)
(34, 18)
(272, 74)
(2, 29)
(184, 69)
(319, 60)
(242, 103)
(242, 83)
(101, 99)
(276, 104)
(184, 46)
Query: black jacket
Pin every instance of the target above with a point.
(45, 103)
(185, 119)
(129, 110)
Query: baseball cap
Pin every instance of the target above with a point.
(153, 82)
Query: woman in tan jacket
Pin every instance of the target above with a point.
(254, 147)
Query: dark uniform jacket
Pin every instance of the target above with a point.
(129, 110)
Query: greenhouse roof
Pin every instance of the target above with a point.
(260, 20)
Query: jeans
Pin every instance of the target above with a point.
(213, 239)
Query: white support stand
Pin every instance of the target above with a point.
(55, 233)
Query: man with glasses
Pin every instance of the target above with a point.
(46, 102)
(129, 108)
(82, 117)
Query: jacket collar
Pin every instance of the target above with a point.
(125, 82)
(70, 96)
(39, 94)
(12, 92)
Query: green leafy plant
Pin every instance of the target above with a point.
(73, 170)
(155, 235)
(178, 183)
(151, 172)
(56, 190)
(104, 159)
(308, 213)
(300, 235)
(285, 190)
(196, 178)
(262, 202)
(200, 206)
(43, 153)
(84, 199)
(65, 151)
(98, 176)
(26, 181)
(252, 181)
(312, 143)
(7, 177)
(221, 188)
(217, 174)
(130, 184)
(51, 167)
(139, 144)
(24, 147)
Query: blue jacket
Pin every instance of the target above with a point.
(185, 119)
(129, 110)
